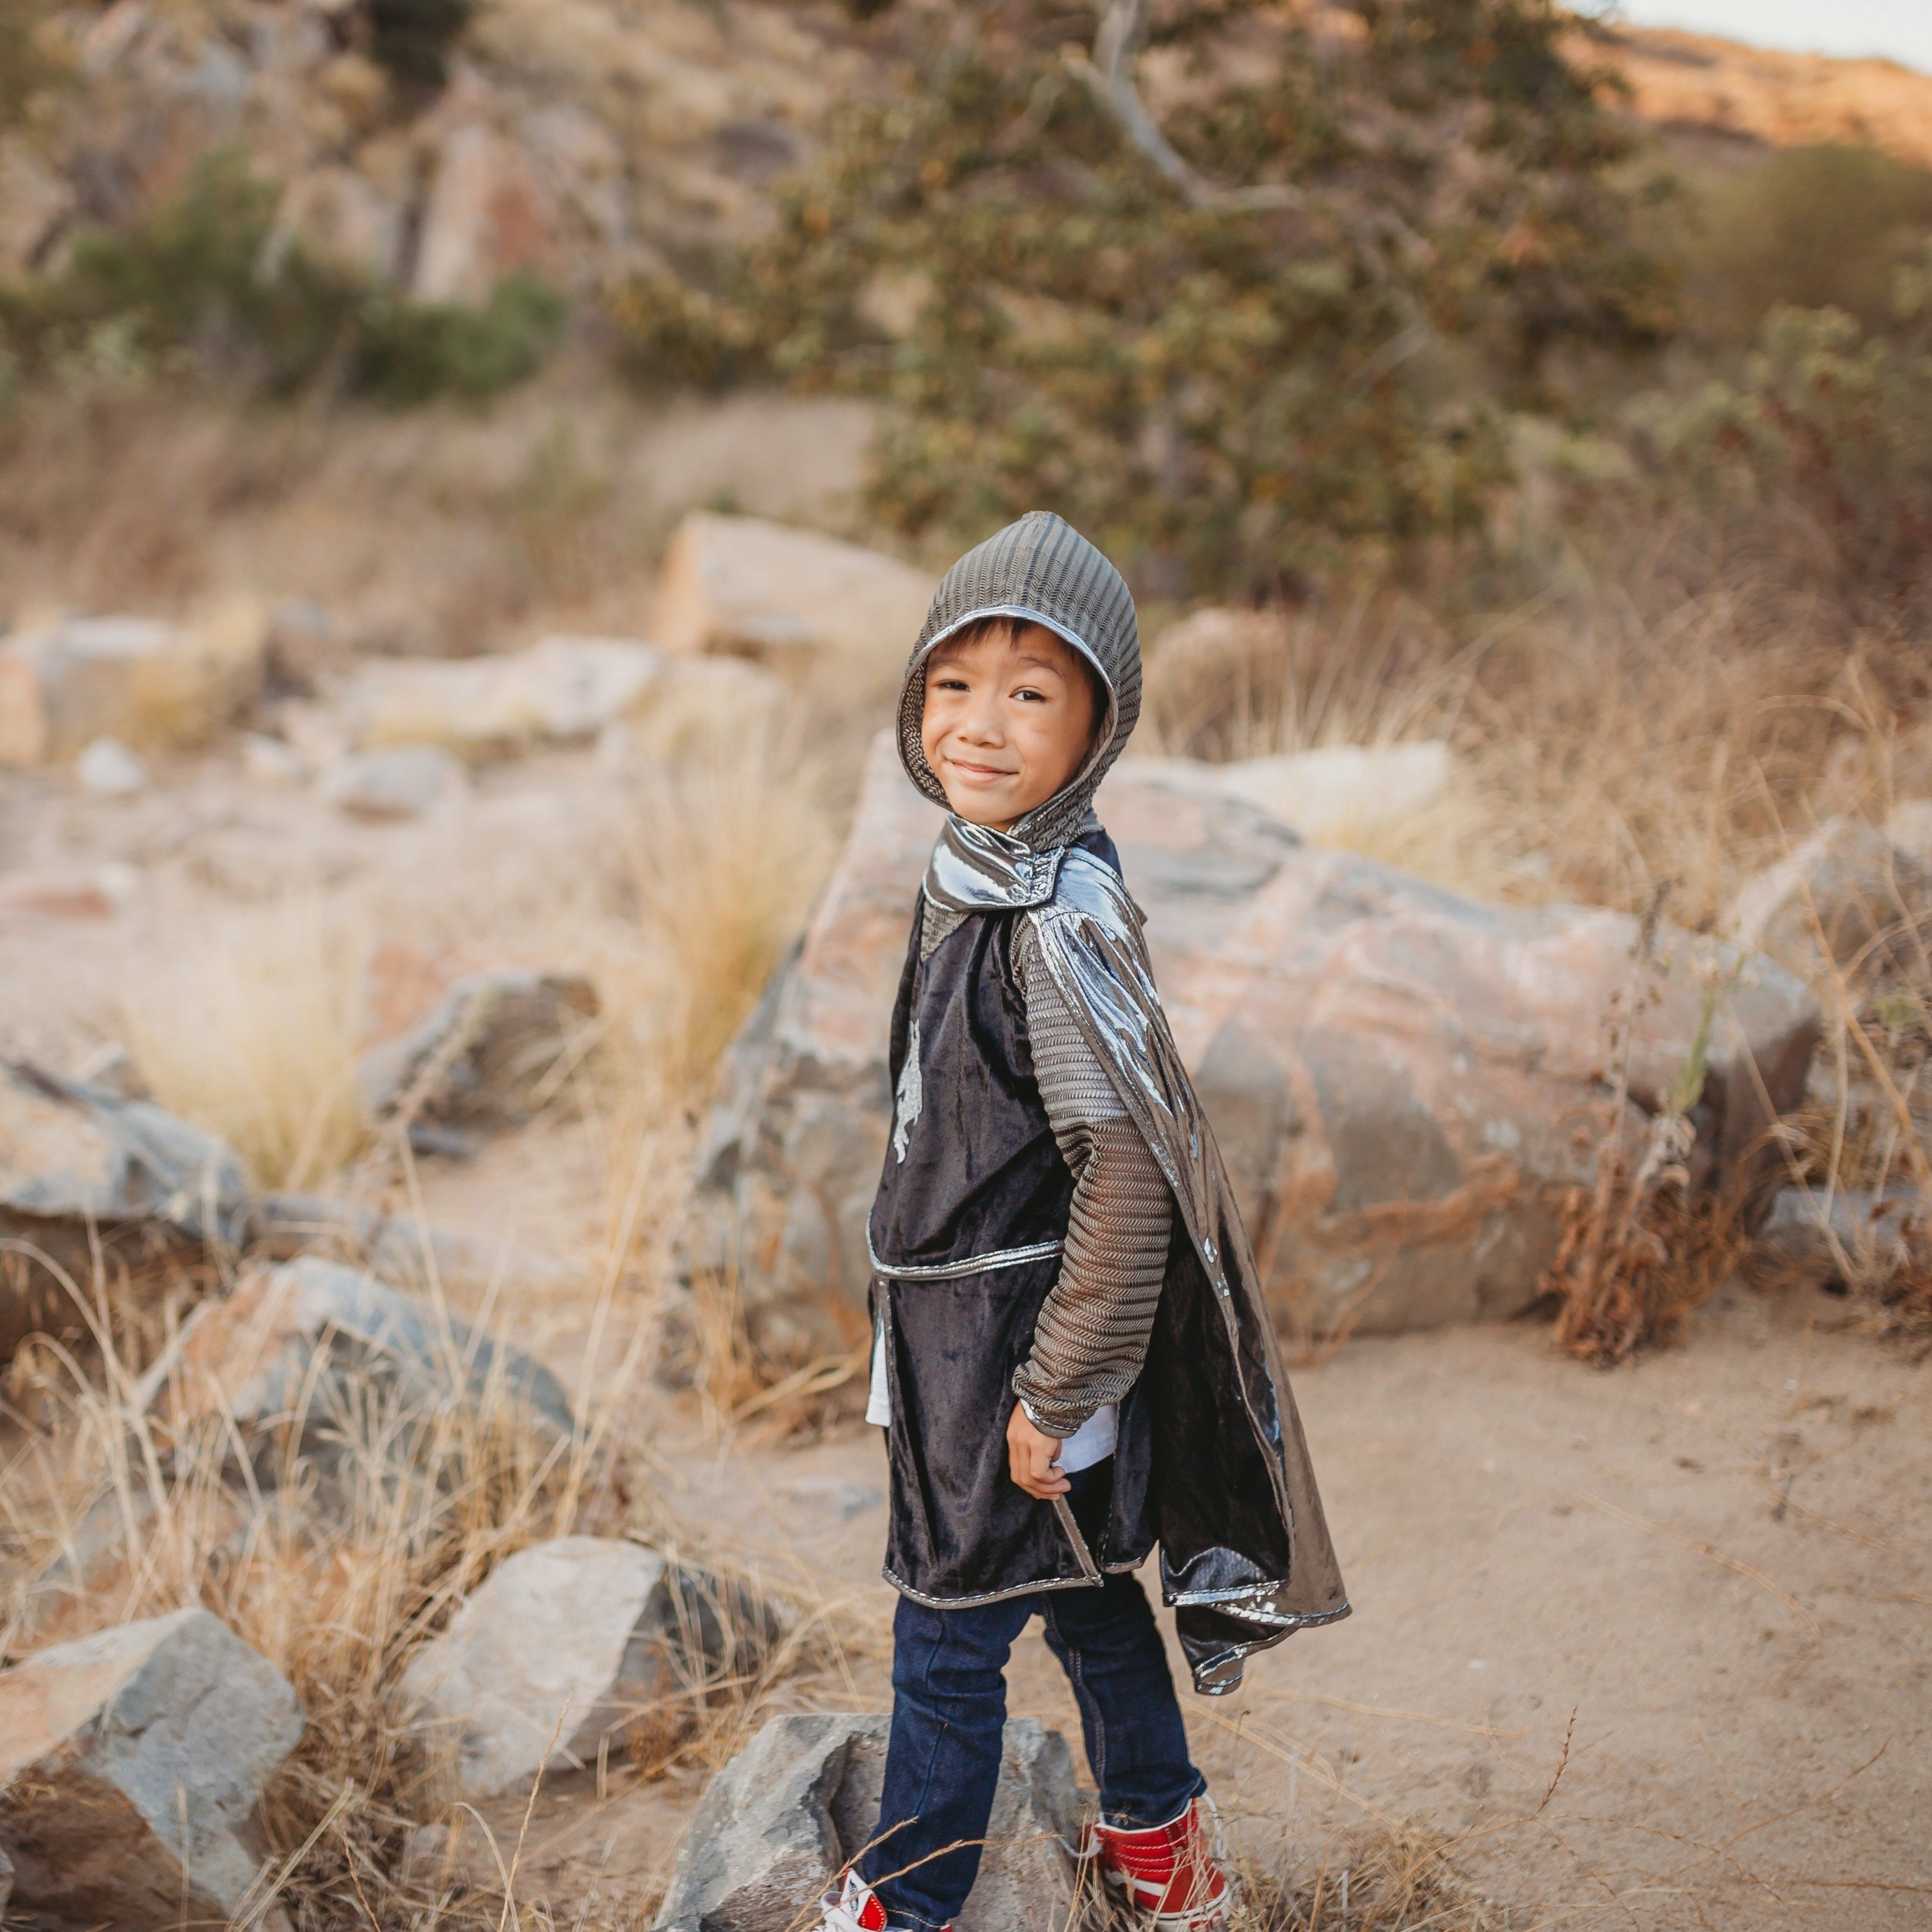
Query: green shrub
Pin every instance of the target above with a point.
(1823, 421)
(187, 291)
(1232, 388)
(1824, 226)
(408, 352)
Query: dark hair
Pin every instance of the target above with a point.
(971, 633)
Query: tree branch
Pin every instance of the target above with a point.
(1109, 76)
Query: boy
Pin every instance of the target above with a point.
(1071, 1354)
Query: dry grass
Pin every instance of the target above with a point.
(252, 1029)
(337, 1569)
(723, 854)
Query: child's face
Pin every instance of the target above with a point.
(1009, 719)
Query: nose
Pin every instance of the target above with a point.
(982, 723)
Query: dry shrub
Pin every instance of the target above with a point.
(1400, 1879)
(252, 1028)
(725, 849)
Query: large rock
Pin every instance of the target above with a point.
(560, 689)
(493, 1049)
(338, 220)
(578, 1649)
(334, 1356)
(1404, 1082)
(80, 1163)
(486, 217)
(783, 1818)
(127, 677)
(1333, 792)
(744, 586)
(1849, 896)
(1840, 1238)
(131, 1764)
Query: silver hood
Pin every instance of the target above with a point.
(1040, 569)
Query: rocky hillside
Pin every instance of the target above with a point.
(435, 146)
(1692, 81)
(582, 139)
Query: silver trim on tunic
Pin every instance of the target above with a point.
(973, 1264)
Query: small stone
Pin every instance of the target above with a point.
(580, 1648)
(51, 894)
(110, 769)
(81, 1163)
(400, 781)
(132, 1763)
(270, 762)
(781, 1821)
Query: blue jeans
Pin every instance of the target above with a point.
(949, 1709)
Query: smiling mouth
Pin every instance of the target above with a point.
(966, 768)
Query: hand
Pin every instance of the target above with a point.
(1029, 1458)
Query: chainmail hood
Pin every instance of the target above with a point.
(1041, 570)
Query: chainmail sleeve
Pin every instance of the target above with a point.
(1093, 1333)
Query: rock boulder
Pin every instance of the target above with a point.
(127, 677)
(1404, 1082)
(788, 597)
(490, 1052)
(783, 1818)
(131, 1764)
(1849, 896)
(333, 1355)
(575, 1650)
(80, 1161)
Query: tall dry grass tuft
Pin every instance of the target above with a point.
(725, 851)
(252, 1027)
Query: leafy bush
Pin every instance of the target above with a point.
(1231, 348)
(408, 352)
(1823, 226)
(1824, 422)
(186, 289)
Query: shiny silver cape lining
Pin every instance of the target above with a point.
(973, 1264)
(1091, 941)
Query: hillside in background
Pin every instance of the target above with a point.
(1697, 81)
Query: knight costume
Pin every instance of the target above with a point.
(1054, 1221)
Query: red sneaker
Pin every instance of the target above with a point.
(855, 1907)
(1174, 1875)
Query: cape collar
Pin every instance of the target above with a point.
(974, 869)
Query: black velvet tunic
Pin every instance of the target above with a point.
(973, 1172)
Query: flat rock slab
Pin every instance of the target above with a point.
(780, 1823)
(574, 1651)
(1405, 1082)
(132, 1763)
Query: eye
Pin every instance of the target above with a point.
(1028, 694)
(949, 684)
